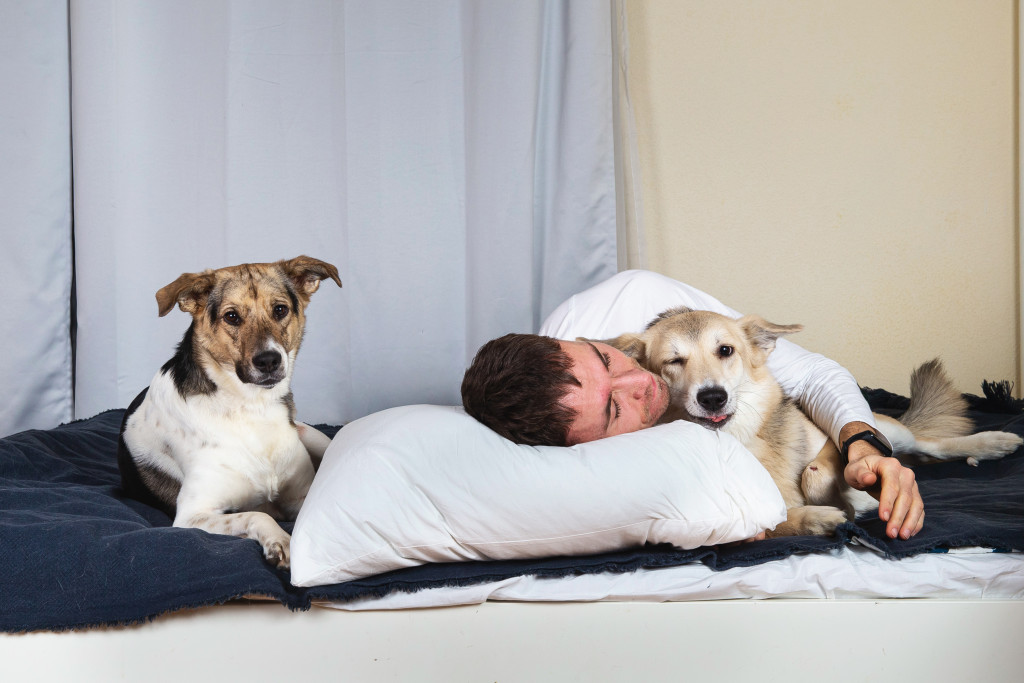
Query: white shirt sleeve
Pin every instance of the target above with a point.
(626, 302)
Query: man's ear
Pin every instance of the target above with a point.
(764, 334)
(306, 273)
(189, 291)
(630, 344)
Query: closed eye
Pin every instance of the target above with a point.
(617, 410)
(676, 361)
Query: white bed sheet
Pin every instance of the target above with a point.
(851, 572)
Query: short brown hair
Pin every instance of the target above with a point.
(515, 386)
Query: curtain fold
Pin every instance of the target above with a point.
(35, 216)
(454, 160)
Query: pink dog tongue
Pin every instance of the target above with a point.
(719, 418)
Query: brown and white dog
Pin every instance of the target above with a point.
(717, 375)
(213, 440)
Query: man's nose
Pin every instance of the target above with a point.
(633, 382)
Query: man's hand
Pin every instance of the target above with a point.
(899, 501)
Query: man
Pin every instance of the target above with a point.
(543, 390)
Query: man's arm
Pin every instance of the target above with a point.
(833, 400)
(825, 390)
(830, 395)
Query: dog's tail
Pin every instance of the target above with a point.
(937, 410)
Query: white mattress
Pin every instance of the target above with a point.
(852, 572)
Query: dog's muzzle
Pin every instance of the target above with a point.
(267, 369)
(712, 400)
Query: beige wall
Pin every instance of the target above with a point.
(845, 164)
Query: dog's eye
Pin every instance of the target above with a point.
(280, 311)
(677, 361)
(232, 318)
(725, 351)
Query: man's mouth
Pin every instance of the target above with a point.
(656, 399)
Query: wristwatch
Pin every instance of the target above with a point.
(876, 439)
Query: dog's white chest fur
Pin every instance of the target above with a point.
(213, 439)
(249, 443)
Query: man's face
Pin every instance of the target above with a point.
(617, 396)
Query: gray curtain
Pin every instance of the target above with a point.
(35, 216)
(454, 160)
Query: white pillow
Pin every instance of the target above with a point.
(625, 302)
(420, 484)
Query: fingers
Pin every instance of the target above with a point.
(899, 500)
(889, 495)
(907, 516)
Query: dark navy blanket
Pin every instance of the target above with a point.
(74, 552)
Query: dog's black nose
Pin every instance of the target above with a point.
(712, 399)
(267, 361)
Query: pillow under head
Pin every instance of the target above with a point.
(423, 483)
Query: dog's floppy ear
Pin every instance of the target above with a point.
(306, 273)
(189, 291)
(764, 334)
(630, 344)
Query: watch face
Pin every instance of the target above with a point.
(882, 443)
(887, 447)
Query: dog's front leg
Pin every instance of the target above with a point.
(195, 510)
(315, 441)
(822, 481)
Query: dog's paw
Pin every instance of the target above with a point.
(278, 552)
(820, 520)
(995, 445)
(276, 544)
(809, 520)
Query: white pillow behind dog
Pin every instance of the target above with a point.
(420, 484)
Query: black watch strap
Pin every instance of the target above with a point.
(876, 439)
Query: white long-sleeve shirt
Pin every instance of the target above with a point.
(626, 302)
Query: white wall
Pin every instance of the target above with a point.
(848, 165)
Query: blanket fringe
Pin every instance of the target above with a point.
(1001, 393)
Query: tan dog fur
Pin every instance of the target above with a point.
(717, 375)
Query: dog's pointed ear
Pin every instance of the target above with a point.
(764, 334)
(670, 313)
(306, 273)
(630, 344)
(189, 291)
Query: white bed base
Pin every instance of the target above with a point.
(751, 640)
(632, 637)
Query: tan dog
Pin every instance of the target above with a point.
(717, 375)
(213, 440)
